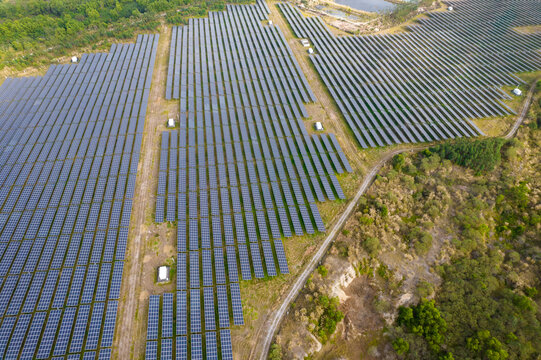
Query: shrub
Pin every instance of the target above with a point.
(275, 352)
(372, 246)
(331, 316)
(425, 320)
(322, 270)
(401, 346)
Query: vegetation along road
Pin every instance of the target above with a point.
(276, 318)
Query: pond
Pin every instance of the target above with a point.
(368, 5)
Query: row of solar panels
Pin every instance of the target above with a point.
(257, 61)
(241, 171)
(68, 162)
(221, 69)
(426, 88)
(79, 151)
(252, 14)
(191, 179)
(27, 256)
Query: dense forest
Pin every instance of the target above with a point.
(34, 31)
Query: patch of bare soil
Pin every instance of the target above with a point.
(359, 335)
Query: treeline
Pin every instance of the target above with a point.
(36, 30)
(403, 11)
(479, 155)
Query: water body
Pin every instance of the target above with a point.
(368, 5)
(338, 13)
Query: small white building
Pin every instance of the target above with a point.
(171, 123)
(310, 51)
(517, 92)
(450, 8)
(318, 126)
(163, 274)
(74, 59)
(305, 43)
(270, 22)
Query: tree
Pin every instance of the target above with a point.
(486, 346)
(275, 352)
(425, 320)
(479, 155)
(398, 161)
(371, 245)
(401, 346)
(331, 316)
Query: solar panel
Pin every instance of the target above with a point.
(182, 348)
(153, 317)
(151, 352)
(211, 345)
(238, 318)
(223, 306)
(93, 335)
(196, 347)
(167, 316)
(166, 352)
(182, 311)
(195, 311)
(208, 300)
(225, 342)
(269, 258)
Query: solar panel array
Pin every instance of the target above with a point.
(69, 148)
(241, 171)
(429, 83)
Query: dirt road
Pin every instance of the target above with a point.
(523, 111)
(129, 330)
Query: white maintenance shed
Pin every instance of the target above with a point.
(318, 126)
(517, 92)
(163, 273)
(171, 123)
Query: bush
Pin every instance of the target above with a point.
(331, 316)
(322, 270)
(423, 244)
(275, 352)
(425, 320)
(421, 240)
(401, 346)
(398, 161)
(372, 246)
(424, 289)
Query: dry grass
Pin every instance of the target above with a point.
(532, 29)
